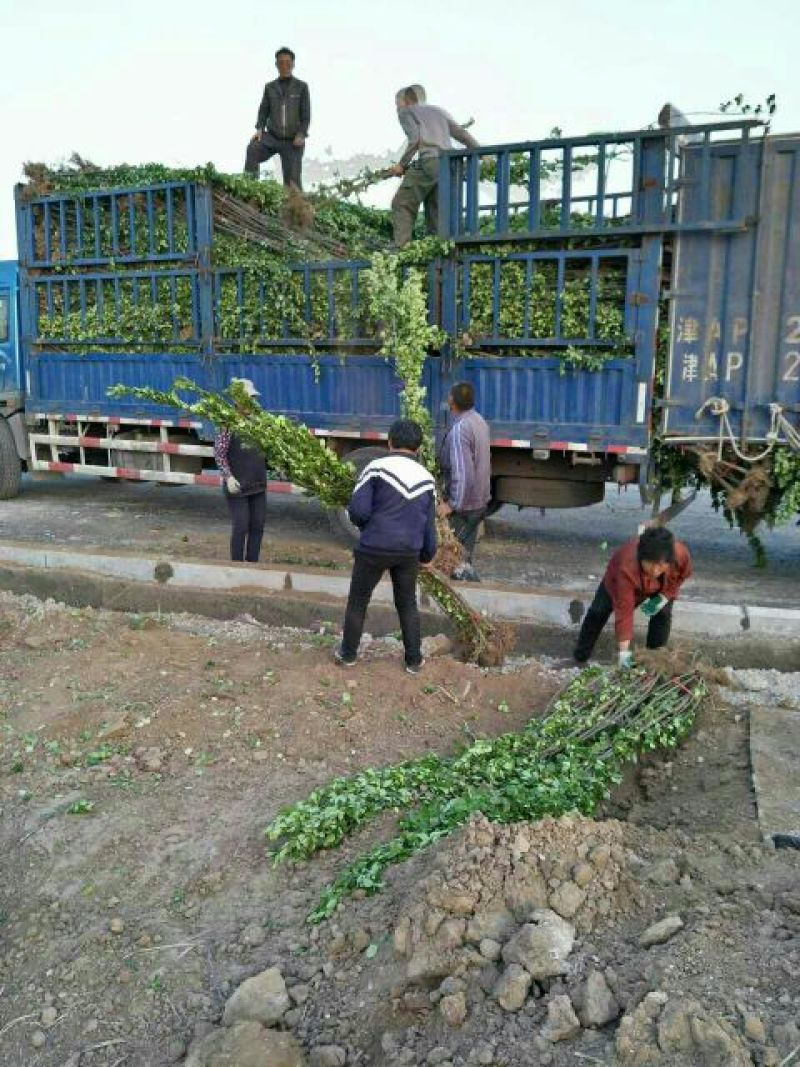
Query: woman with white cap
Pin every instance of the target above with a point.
(244, 484)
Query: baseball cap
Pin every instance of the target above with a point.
(248, 386)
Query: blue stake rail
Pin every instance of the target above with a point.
(481, 186)
(131, 225)
(560, 246)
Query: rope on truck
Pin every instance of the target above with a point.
(778, 424)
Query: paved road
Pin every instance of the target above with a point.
(561, 549)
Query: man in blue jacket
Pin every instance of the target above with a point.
(394, 506)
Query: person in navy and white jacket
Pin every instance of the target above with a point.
(394, 507)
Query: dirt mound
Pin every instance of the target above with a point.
(494, 880)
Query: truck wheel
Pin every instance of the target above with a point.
(10, 465)
(339, 519)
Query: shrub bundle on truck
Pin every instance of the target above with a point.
(557, 261)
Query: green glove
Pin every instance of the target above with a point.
(625, 658)
(653, 605)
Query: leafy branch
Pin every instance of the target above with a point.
(739, 106)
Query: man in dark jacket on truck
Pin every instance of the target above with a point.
(429, 130)
(394, 506)
(466, 463)
(645, 573)
(282, 124)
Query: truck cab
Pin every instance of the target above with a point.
(10, 369)
(13, 438)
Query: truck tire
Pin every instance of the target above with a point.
(10, 464)
(339, 519)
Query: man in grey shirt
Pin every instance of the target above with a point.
(466, 461)
(429, 130)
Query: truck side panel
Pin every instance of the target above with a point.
(773, 369)
(735, 315)
(528, 399)
(359, 393)
(537, 400)
(69, 383)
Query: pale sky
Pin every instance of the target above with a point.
(179, 81)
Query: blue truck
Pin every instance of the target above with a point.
(565, 255)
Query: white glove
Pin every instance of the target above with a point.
(625, 658)
(232, 484)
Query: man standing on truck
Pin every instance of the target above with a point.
(429, 130)
(466, 462)
(394, 506)
(645, 573)
(282, 124)
(244, 484)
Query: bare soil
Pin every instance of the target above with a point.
(141, 758)
(185, 744)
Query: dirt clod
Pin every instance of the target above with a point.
(661, 931)
(262, 999)
(245, 1044)
(562, 1022)
(512, 987)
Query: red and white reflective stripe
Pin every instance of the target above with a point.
(511, 442)
(570, 446)
(566, 446)
(367, 435)
(627, 450)
(120, 420)
(176, 477)
(121, 444)
(127, 473)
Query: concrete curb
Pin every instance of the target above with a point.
(774, 757)
(554, 608)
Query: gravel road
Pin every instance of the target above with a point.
(557, 550)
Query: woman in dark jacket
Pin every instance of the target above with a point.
(244, 474)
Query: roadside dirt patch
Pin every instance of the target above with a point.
(141, 758)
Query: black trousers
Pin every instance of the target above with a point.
(291, 158)
(600, 611)
(368, 569)
(464, 525)
(248, 516)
